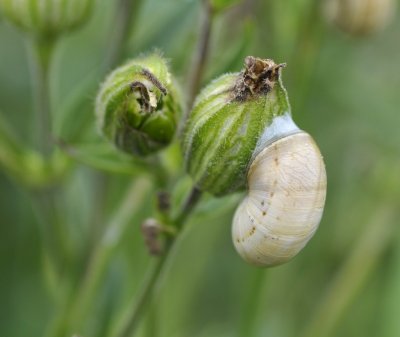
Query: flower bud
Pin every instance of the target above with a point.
(227, 122)
(46, 18)
(360, 17)
(137, 107)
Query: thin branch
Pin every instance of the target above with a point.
(201, 53)
(254, 299)
(55, 240)
(11, 151)
(124, 18)
(122, 27)
(190, 203)
(41, 55)
(77, 307)
(310, 36)
(141, 303)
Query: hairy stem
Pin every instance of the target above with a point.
(139, 306)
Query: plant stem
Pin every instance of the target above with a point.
(119, 34)
(153, 277)
(123, 20)
(349, 280)
(144, 298)
(201, 53)
(49, 233)
(77, 307)
(188, 206)
(308, 47)
(11, 151)
(44, 199)
(248, 323)
(42, 51)
(122, 23)
(151, 328)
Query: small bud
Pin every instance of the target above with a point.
(360, 17)
(137, 107)
(46, 19)
(151, 230)
(163, 201)
(227, 122)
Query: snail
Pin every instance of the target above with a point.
(240, 136)
(285, 197)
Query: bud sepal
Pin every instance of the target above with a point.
(138, 106)
(227, 122)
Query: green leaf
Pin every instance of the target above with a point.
(221, 5)
(104, 157)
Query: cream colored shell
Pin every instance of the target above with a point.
(285, 201)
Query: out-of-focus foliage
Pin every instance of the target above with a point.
(46, 19)
(343, 90)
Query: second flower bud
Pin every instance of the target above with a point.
(137, 106)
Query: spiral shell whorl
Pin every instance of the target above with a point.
(285, 201)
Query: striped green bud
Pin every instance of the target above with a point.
(46, 18)
(137, 107)
(227, 123)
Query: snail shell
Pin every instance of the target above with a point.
(285, 200)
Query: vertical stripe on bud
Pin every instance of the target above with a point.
(227, 122)
(137, 107)
(46, 18)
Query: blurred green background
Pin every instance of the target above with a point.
(344, 90)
